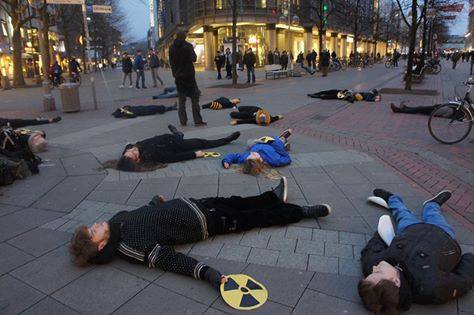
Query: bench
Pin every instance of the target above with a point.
(275, 71)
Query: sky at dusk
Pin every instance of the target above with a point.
(138, 20)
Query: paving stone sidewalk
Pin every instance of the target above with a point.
(311, 267)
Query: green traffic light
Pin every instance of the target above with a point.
(325, 7)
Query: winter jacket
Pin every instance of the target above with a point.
(325, 59)
(219, 60)
(182, 57)
(284, 59)
(273, 153)
(250, 59)
(154, 61)
(139, 63)
(431, 266)
(162, 149)
(146, 235)
(228, 59)
(270, 58)
(127, 65)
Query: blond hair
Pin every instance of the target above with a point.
(41, 145)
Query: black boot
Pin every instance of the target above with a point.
(233, 136)
(394, 108)
(382, 193)
(440, 198)
(175, 131)
(316, 211)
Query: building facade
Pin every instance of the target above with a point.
(263, 25)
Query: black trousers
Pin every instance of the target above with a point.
(149, 109)
(226, 215)
(424, 110)
(18, 123)
(246, 115)
(228, 68)
(219, 75)
(198, 144)
(208, 105)
(327, 95)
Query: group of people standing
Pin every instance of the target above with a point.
(138, 64)
(226, 59)
(276, 58)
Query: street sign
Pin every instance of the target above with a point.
(102, 9)
(64, 1)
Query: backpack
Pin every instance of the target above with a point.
(7, 175)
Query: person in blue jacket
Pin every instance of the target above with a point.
(263, 152)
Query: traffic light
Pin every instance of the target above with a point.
(325, 8)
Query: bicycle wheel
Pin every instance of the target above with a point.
(436, 68)
(388, 64)
(450, 123)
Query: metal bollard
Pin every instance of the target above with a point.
(49, 104)
(94, 94)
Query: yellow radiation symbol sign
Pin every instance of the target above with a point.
(243, 292)
(266, 139)
(209, 154)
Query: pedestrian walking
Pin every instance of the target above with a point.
(182, 56)
(140, 69)
(324, 61)
(239, 60)
(284, 59)
(300, 58)
(154, 63)
(314, 57)
(455, 58)
(270, 57)
(249, 61)
(220, 61)
(228, 63)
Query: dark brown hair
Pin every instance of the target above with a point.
(381, 297)
(128, 165)
(81, 247)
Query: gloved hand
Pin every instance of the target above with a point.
(214, 277)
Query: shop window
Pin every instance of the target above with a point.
(219, 4)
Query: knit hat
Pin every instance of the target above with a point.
(262, 117)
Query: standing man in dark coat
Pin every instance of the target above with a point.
(421, 264)
(324, 62)
(314, 56)
(127, 68)
(249, 61)
(154, 65)
(182, 56)
(309, 57)
(220, 61)
(270, 57)
(228, 63)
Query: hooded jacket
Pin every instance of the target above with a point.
(182, 57)
(273, 153)
(432, 269)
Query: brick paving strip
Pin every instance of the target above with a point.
(429, 176)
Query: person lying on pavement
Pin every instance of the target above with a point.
(147, 235)
(252, 115)
(422, 264)
(263, 153)
(153, 153)
(348, 95)
(146, 110)
(222, 103)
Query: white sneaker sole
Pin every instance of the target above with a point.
(378, 201)
(285, 188)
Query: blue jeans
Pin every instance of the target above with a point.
(431, 215)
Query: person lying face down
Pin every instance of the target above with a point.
(448, 112)
(147, 110)
(221, 103)
(147, 235)
(252, 115)
(348, 95)
(422, 264)
(148, 154)
(262, 153)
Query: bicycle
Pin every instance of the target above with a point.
(452, 122)
(389, 63)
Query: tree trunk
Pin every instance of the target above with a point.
(44, 42)
(18, 79)
(234, 43)
(423, 39)
(412, 44)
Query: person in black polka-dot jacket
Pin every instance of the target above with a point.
(146, 235)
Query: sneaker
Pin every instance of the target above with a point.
(286, 134)
(200, 124)
(121, 86)
(130, 86)
(317, 211)
(382, 193)
(287, 146)
(56, 119)
(440, 198)
(282, 189)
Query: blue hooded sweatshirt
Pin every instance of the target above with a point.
(273, 153)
